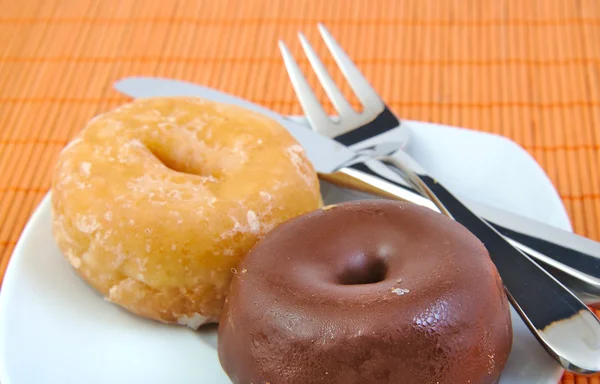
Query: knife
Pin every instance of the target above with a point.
(329, 156)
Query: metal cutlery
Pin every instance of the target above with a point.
(376, 115)
(361, 176)
(568, 330)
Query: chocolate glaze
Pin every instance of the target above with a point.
(366, 292)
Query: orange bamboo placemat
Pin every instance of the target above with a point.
(528, 70)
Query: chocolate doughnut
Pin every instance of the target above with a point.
(366, 292)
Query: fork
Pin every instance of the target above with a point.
(568, 330)
(578, 270)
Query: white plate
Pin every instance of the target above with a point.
(55, 329)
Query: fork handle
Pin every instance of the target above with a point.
(560, 321)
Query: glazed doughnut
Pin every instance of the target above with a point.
(156, 202)
(367, 292)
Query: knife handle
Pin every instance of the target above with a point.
(577, 260)
(571, 267)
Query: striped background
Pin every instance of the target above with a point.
(528, 70)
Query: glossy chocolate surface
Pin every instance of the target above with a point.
(366, 292)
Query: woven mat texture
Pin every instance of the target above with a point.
(528, 70)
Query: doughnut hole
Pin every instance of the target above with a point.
(186, 159)
(176, 164)
(184, 152)
(363, 268)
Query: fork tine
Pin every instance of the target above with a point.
(313, 110)
(333, 92)
(359, 84)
